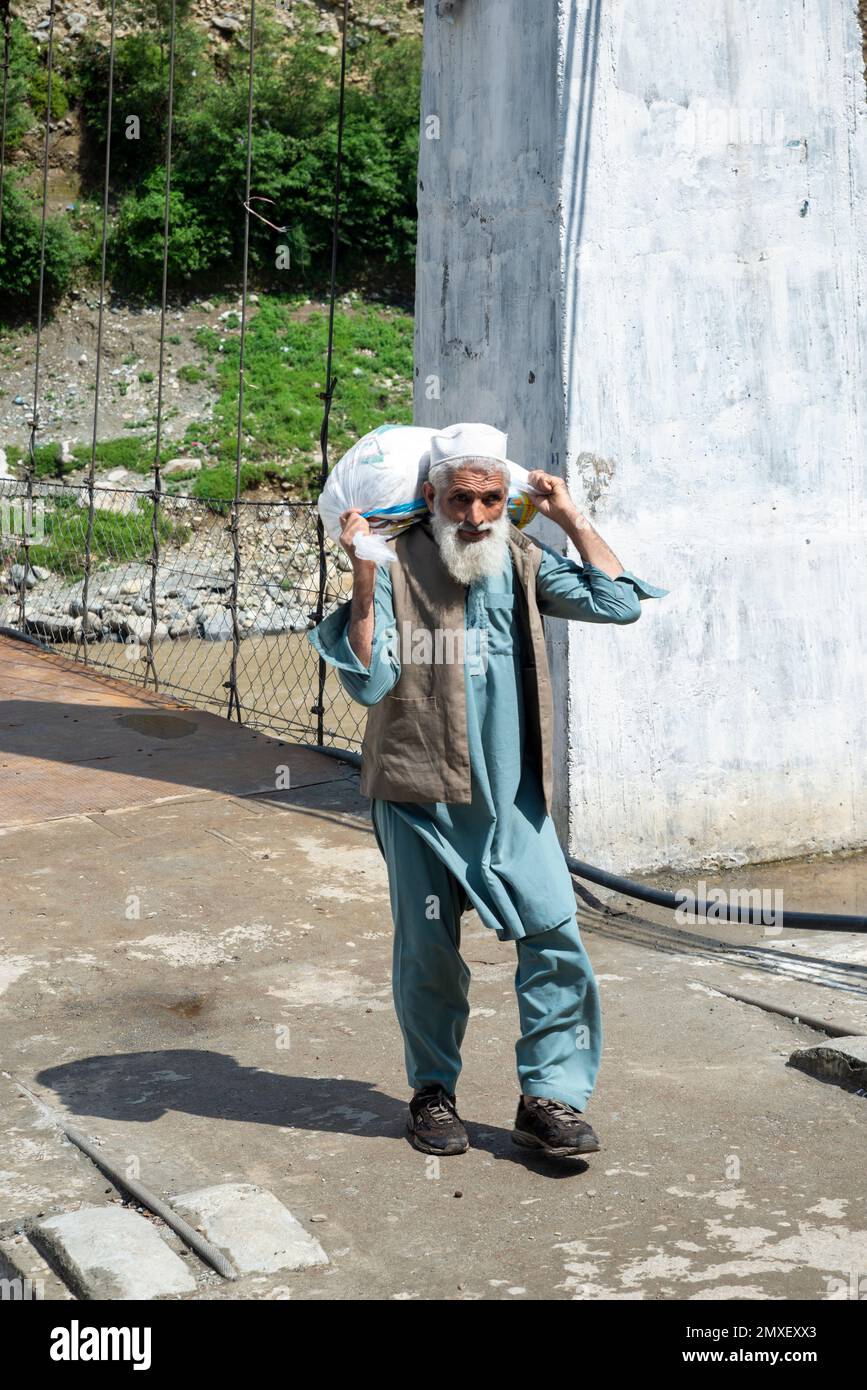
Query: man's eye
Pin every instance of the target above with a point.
(492, 498)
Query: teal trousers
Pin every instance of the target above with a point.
(560, 1047)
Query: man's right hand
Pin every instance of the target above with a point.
(354, 524)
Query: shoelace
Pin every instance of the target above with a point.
(559, 1110)
(439, 1110)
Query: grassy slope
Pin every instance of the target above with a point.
(285, 355)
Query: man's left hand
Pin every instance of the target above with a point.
(551, 497)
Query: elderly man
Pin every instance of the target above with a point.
(446, 647)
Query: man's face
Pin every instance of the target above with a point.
(472, 500)
(470, 522)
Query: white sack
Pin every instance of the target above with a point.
(381, 477)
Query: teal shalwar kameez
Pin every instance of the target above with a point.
(498, 854)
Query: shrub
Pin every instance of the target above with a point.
(24, 59)
(136, 244)
(135, 454)
(47, 459)
(125, 536)
(217, 485)
(37, 92)
(293, 155)
(20, 252)
(139, 108)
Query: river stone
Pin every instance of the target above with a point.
(216, 627)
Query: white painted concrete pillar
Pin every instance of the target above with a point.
(642, 249)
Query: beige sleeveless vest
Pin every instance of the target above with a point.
(415, 745)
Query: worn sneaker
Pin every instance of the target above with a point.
(553, 1127)
(433, 1123)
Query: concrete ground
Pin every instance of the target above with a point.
(195, 970)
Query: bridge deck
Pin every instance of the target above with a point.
(73, 741)
(204, 985)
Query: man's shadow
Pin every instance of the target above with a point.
(142, 1087)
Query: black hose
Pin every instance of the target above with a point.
(821, 921)
(23, 637)
(804, 921)
(818, 921)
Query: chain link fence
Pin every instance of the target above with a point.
(143, 587)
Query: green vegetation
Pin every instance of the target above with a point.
(114, 536)
(136, 241)
(217, 485)
(69, 240)
(191, 374)
(283, 380)
(294, 156)
(284, 376)
(38, 93)
(20, 251)
(28, 86)
(294, 150)
(47, 458)
(135, 454)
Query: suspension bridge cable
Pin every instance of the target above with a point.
(232, 682)
(330, 382)
(156, 494)
(7, 40)
(88, 543)
(34, 423)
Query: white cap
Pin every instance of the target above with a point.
(469, 441)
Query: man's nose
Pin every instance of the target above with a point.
(476, 512)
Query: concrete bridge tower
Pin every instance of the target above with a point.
(641, 252)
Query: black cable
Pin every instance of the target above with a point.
(821, 921)
(24, 637)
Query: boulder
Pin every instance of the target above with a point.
(46, 628)
(16, 574)
(216, 627)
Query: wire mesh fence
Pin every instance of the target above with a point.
(79, 578)
(205, 600)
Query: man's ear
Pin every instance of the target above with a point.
(428, 494)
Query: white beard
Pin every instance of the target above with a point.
(467, 561)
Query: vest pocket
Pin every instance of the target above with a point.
(410, 736)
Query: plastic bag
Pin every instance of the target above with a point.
(381, 477)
